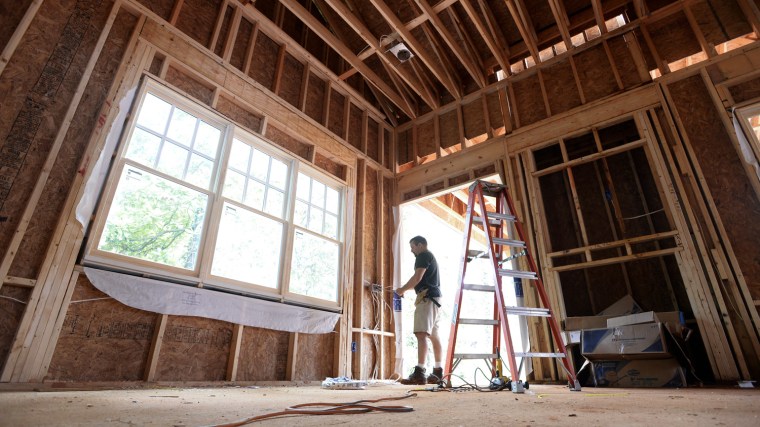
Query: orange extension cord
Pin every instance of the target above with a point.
(358, 407)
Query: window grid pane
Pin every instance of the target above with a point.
(258, 188)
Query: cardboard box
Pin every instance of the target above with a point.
(672, 318)
(576, 323)
(645, 341)
(638, 373)
(571, 337)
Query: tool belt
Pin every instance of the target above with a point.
(422, 296)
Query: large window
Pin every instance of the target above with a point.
(193, 197)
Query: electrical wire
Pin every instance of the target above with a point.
(357, 407)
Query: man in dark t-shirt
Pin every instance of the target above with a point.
(427, 285)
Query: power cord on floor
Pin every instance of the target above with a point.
(358, 407)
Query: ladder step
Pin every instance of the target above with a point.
(478, 321)
(509, 242)
(474, 356)
(493, 222)
(481, 288)
(528, 311)
(539, 354)
(517, 273)
(501, 216)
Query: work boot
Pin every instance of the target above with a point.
(417, 377)
(436, 377)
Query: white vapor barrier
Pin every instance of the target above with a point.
(178, 300)
(100, 170)
(397, 284)
(744, 145)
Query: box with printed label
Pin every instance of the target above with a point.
(644, 341)
(638, 373)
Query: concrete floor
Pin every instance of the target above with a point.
(541, 405)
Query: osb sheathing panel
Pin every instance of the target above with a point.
(336, 121)
(264, 61)
(162, 8)
(371, 355)
(13, 301)
(720, 21)
(606, 285)
(32, 250)
(287, 142)
(369, 253)
(646, 53)
(591, 198)
(387, 149)
(561, 90)
(494, 110)
(290, 83)
(194, 349)
(558, 212)
(238, 114)
(263, 355)
(315, 357)
(189, 85)
(355, 120)
(373, 135)
(474, 123)
(10, 18)
(724, 174)
(529, 102)
(37, 86)
(623, 58)
(224, 31)
(197, 19)
(595, 73)
(242, 41)
(649, 285)
(575, 293)
(673, 37)
(426, 138)
(388, 230)
(335, 169)
(405, 147)
(101, 339)
(746, 90)
(315, 98)
(449, 129)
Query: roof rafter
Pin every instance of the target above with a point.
(487, 34)
(524, 26)
(418, 50)
(599, 15)
(310, 21)
(361, 29)
(560, 16)
(460, 53)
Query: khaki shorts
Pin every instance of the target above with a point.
(427, 317)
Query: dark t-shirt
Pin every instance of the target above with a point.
(430, 279)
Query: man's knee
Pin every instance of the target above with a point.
(421, 335)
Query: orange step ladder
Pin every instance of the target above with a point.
(501, 249)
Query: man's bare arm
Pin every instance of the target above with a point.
(413, 281)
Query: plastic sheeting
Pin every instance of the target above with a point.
(744, 145)
(179, 300)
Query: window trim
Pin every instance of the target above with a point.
(201, 275)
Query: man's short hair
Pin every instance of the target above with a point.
(417, 240)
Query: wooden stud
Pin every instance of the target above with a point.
(707, 48)
(175, 12)
(218, 26)
(290, 368)
(251, 46)
(613, 65)
(279, 68)
(18, 33)
(543, 93)
(155, 348)
(229, 44)
(234, 357)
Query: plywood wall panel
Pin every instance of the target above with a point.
(558, 212)
(731, 190)
(426, 138)
(387, 267)
(673, 37)
(595, 73)
(336, 121)
(290, 85)
(474, 123)
(373, 142)
(529, 102)
(336, 169)
(720, 21)
(239, 115)
(194, 349)
(561, 90)
(101, 339)
(449, 128)
(224, 31)
(315, 98)
(405, 153)
(370, 357)
(242, 43)
(191, 86)
(495, 116)
(746, 91)
(31, 253)
(264, 62)
(371, 227)
(197, 19)
(606, 285)
(13, 301)
(623, 58)
(162, 8)
(263, 355)
(10, 18)
(649, 287)
(355, 125)
(575, 293)
(388, 160)
(287, 142)
(315, 357)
